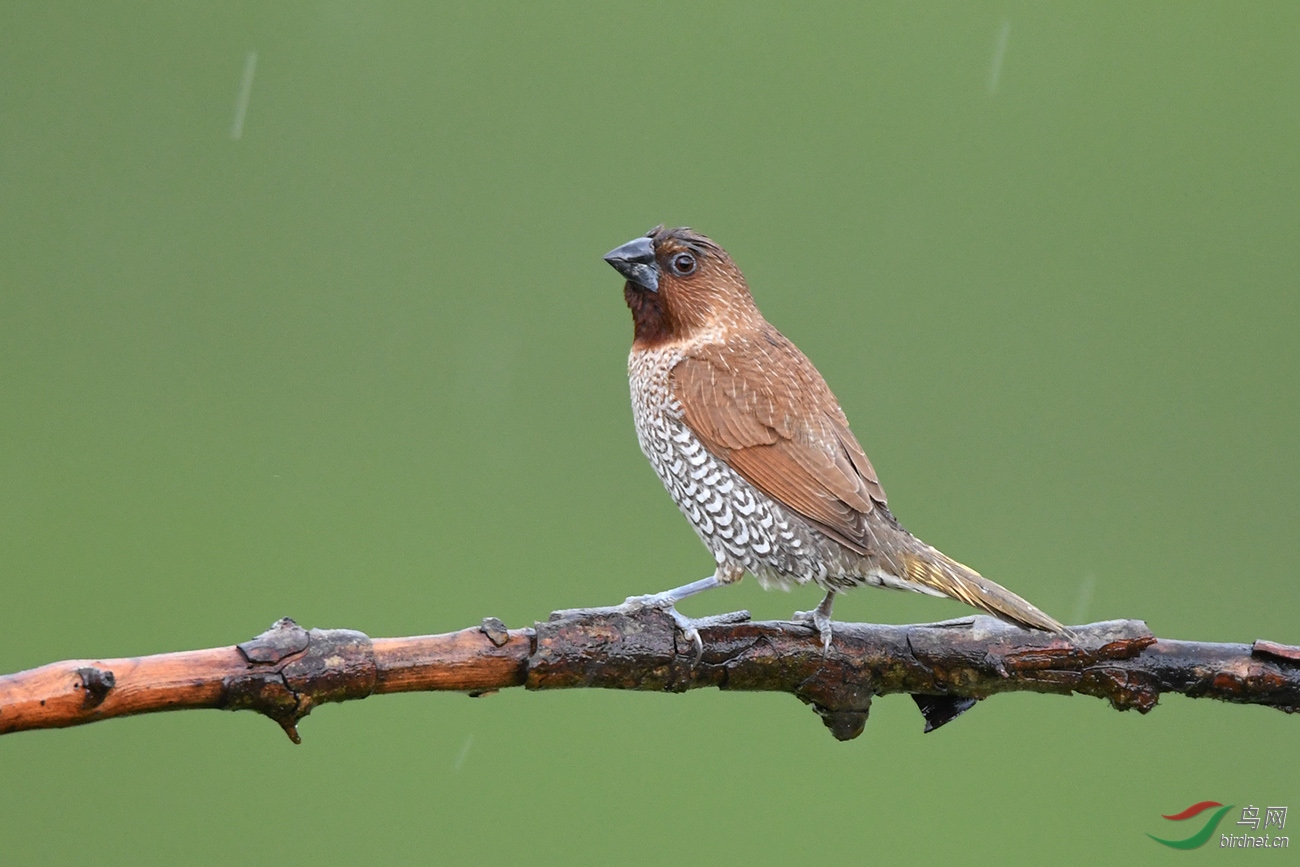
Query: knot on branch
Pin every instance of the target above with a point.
(96, 682)
(291, 670)
(843, 707)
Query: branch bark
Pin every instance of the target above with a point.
(947, 667)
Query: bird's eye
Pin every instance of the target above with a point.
(684, 264)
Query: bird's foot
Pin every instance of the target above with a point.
(667, 603)
(689, 627)
(819, 620)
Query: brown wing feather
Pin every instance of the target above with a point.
(761, 406)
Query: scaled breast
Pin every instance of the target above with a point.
(745, 530)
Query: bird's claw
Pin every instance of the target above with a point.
(820, 621)
(690, 633)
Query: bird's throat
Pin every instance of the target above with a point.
(649, 321)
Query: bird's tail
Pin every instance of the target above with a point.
(932, 569)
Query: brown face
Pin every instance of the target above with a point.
(680, 283)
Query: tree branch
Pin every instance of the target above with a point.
(946, 667)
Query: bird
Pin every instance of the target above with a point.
(756, 452)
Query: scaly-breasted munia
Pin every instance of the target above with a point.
(755, 450)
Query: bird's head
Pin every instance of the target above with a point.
(681, 285)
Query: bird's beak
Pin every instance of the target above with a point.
(635, 260)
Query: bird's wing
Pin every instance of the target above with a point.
(761, 406)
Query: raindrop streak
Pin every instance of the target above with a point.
(245, 91)
(1085, 599)
(464, 751)
(999, 52)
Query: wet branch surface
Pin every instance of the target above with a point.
(946, 667)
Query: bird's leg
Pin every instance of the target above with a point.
(677, 594)
(820, 619)
(667, 602)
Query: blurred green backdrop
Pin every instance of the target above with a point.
(354, 358)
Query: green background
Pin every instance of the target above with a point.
(364, 366)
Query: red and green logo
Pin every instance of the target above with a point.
(1202, 836)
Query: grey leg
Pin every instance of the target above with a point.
(677, 594)
(820, 619)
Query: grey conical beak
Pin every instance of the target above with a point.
(635, 260)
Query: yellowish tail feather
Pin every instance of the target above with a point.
(931, 568)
